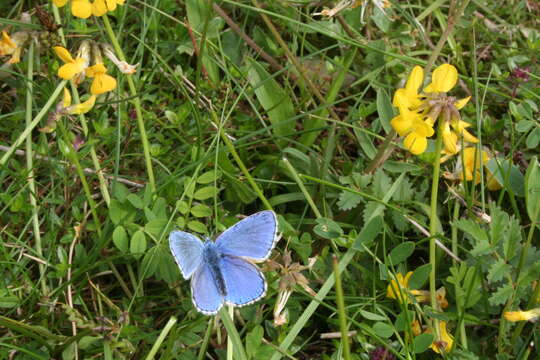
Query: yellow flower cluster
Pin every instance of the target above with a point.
(419, 111)
(84, 8)
(399, 290)
(78, 67)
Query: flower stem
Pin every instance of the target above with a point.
(340, 299)
(433, 223)
(30, 167)
(136, 102)
(95, 160)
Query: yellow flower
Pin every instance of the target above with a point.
(7, 46)
(408, 96)
(66, 100)
(81, 8)
(530, 315)
(444, 78)
(423, 296)
(13, 45)
(83, 107)
(84, 8)
(445, 341)
(102, 82)
(449, 139)
(72, 66)
(99, 8)
(398, 289)
(471, 163)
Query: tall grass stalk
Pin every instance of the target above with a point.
(136, 103)
(433, 222)
(30, 168)
(340, 300)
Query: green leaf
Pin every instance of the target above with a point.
(254, 341)
(150, 262)
(511, 238)
(524, 126)
(419, 276)
(118, 212)
(533, 139)
(156, 228)
(384, 330)
(369, 232)
(473, 229)
(182, 207)
(497, 271)
(348, 200)
(385, 110)
(532, 191)
(401, 252)
(197, 226)
(240, 190)
(201, 211)
(205, 193)
(366, 143)
(120, 239)
(273, 99)
(138, 244)
(422, 342)
(502, 295)
(508, 175)
(372, 316)
(135, 201)
(208, 177)
(327, 229)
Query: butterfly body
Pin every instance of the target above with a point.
(212, 257)
(223, 272)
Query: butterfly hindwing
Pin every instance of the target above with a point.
(253, 237)
(244, 283)
(204, 292)
(187, 250)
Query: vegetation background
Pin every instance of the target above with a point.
(238, 106)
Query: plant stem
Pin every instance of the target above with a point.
(302, 187)
(341, 310)
(95, 160)
(460, 305)
(433, 225)
(30, 167)
(206, 339)
(168, 327)
(74, 158)
(136, 103)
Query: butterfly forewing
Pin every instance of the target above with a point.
(253, 237)
(187, 250)
(244, 283)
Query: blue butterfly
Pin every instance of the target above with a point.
(223, 271)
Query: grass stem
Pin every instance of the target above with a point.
(340, 300)
(136, 103)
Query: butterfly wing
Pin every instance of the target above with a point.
(204, 292)
(245, 283)
(187, 250)
(253, 237)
